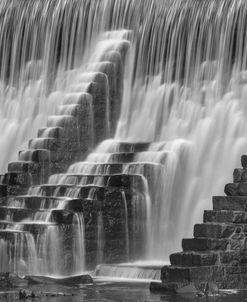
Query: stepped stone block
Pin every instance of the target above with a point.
(244, 161)
(236, 189)
(240, 175)
(43, 202)
(194, 259)
(52, 132)
(64, 121)
(124, 147)
(204, 244)
(18, 179)
(25, 167)
(214, 230)
(192, 274)
(38, 155)
(17, 214)
(79, 98)
(122, 157)
(225, 216)
(10, 235)
(232, 203)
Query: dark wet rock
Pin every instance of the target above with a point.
(244, 161)
(73, 280)
(187, 289)
(11, 280)
(3, 190)
(24, 294)
(62, 216)
(163, 287)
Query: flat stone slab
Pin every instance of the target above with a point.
(194, 259)
(129, 270)
(232, 203)
(225, 216)
(72, 280)
(214, 230)
(204, 244)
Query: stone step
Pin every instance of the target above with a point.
(114, 146)
(236, 189)
(31, 227)
(18, 214)
(77, 191)
(78, 98)
(15, 214)
(231, 203)
(190, 259)
(10, 235)
(205, 244)
(123, 157)
(244, 161)
(17, 178)
(51, 144)
(225, 216)
(215, 230)
(146, 169)
(64, 121)
(25, 167)
(240, 175)
(115, 180)
(185, 275)
(24, 179)
(37, 156)
(60, 133)
(45, 158)
(80, 112)
(42, 202)
(194, 258)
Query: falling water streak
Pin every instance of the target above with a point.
(100, 238)
(78, 250)
(126, 222)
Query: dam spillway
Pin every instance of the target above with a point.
(120, 101)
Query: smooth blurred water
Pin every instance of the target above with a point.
(118, 292)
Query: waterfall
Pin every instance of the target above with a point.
(183, 93)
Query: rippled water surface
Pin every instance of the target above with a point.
(115, 291)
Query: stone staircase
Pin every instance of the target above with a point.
(88, 115)
(94, 214)
(218, 251)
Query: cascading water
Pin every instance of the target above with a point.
(184, 95)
